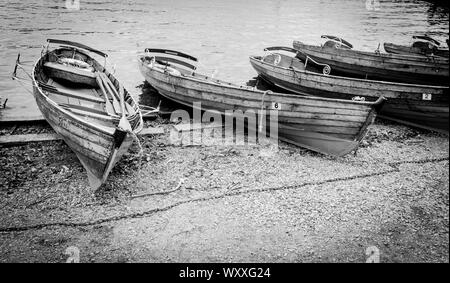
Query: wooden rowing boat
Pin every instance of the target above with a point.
(86, 106)
(428, 70)
(329, 126)
(423, 45)
(421, 106)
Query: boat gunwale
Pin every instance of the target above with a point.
(387, 83)
(370, 56)
(248, 89)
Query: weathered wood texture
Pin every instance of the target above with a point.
(418, 105)
(392, 67)
(28, 138)
(11, 140)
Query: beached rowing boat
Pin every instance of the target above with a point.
(423, 106)
(329, 126)
(89, 108)
(343, 60)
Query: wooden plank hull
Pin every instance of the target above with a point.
(98, 145)
(391, 67)
(405, 102)
(329, 126)
(94, 152)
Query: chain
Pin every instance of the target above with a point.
(394, 169)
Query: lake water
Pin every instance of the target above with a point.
(222, 34)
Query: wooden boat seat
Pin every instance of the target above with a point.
(84, 111)
(84, 108)
(284, 61)
(71, 93)
(88, 72)
(335, 44)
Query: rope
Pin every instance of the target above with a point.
(262, 109)
(19, 80)
(326, 68)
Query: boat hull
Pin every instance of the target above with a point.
(93, 147)
(329, 126)
(428, 70)
(98, 140)
(406, 103)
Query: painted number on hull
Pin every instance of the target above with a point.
(276, 106)
(426, 96)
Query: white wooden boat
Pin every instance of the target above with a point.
(89, 108)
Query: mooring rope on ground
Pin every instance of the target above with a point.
(393, 165)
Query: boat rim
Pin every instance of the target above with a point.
(253, 58)
(249, 89)
(439, 60)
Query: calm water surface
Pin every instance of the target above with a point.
(222, 34)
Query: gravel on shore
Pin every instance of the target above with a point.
(230, 203)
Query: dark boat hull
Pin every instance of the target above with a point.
(390, 67)
(405, 102)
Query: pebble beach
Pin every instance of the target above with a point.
(230, 203)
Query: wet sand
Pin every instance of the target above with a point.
(230, 203)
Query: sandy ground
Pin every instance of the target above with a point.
(231, 203)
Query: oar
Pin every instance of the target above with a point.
(124, 124)
(129, 109)
(107, 102)
(112, 88)
(115, 103)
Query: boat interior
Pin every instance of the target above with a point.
(282, 60)
(177, 67)
(79, 84)
(293, 62)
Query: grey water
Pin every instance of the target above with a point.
(222, 34)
